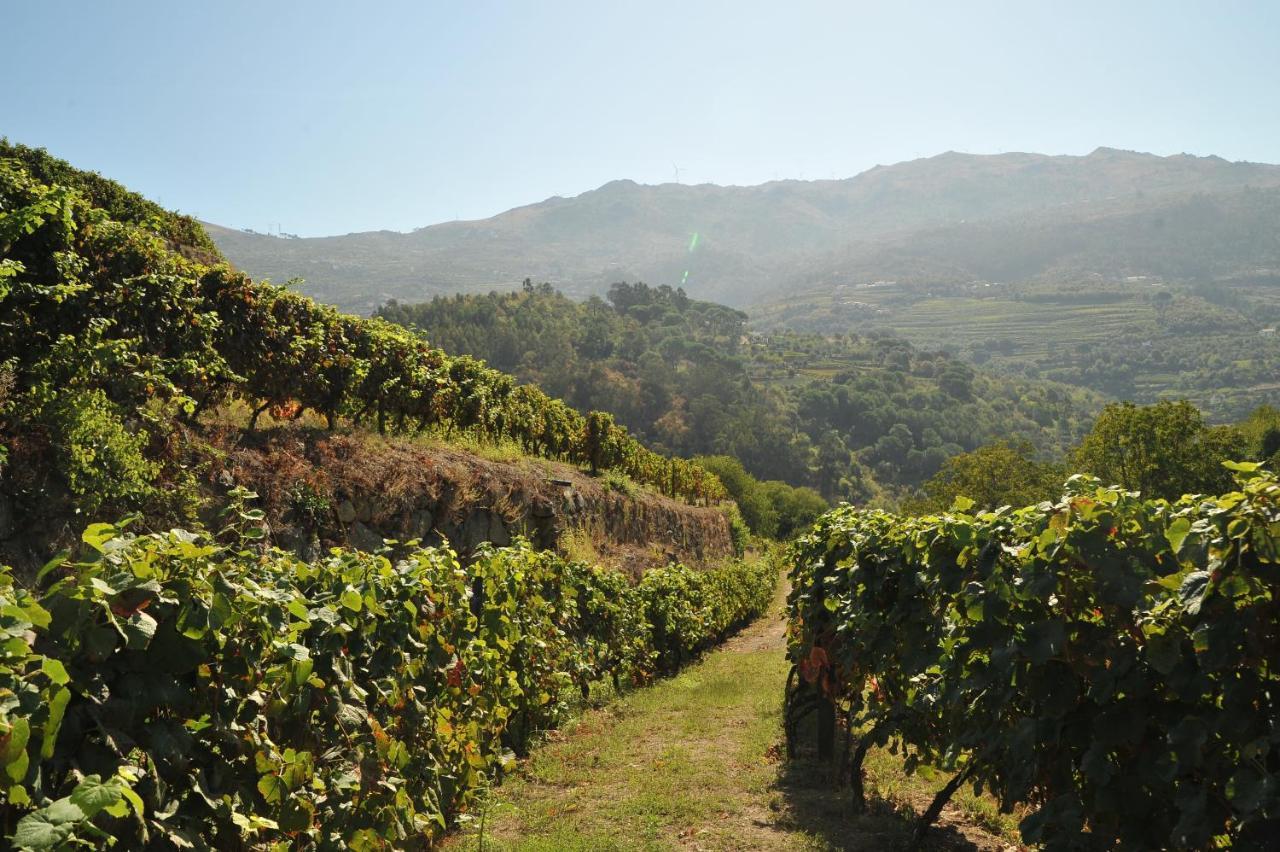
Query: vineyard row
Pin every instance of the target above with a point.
(167, 691)
(1107, 665)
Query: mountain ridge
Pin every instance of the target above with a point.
(750, 239)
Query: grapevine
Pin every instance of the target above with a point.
(1105, 662)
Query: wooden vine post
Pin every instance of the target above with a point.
(826, 729)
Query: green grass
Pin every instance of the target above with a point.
(658, 765)
(694, 762)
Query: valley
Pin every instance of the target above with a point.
(1133, 276)
(814, 426)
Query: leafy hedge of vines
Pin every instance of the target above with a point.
(120, 203)
(93, 304)
(1109, 663)
(165, 691)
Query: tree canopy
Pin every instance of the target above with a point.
(999, 474)
(854, 417)
(1162, 450)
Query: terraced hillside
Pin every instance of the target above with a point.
(1142, 338)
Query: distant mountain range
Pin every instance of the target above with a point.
(952, 218)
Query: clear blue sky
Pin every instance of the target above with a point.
(329, 117)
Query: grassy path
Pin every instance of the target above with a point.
(694, 762)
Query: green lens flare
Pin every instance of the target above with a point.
(693, 244)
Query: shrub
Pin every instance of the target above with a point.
(103, 463)
(739, 532)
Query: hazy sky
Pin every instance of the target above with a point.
(329, 117)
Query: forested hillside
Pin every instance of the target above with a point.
(853, 416)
